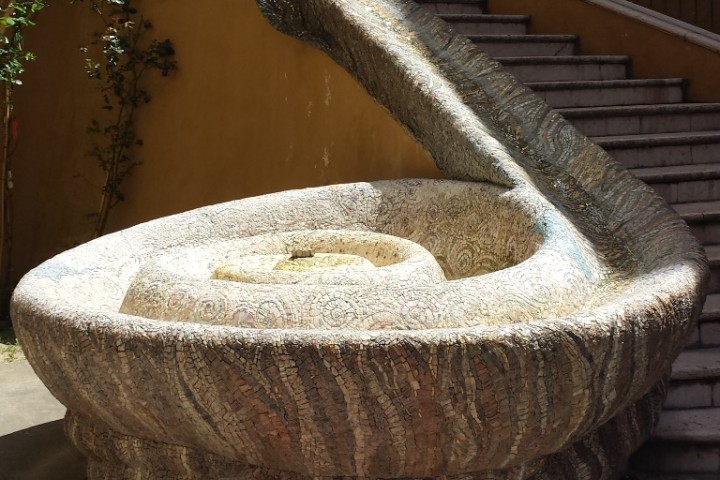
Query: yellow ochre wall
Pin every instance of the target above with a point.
(249, 111)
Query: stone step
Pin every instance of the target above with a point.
(684, 442)
(683, 183)
(643, 119)
(709, 323)
(525, 45)
(695, 380)
(696, 460)
(707, 332)
(713, 256)
(697, 364)
(703, 219)
(663, 149)
(610, 92)
(698, 425)
(456, 6)
(670, 476)
(693, 394)
(476, 24)
(567, 67)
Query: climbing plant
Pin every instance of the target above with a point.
(119, 57)
(15, 17)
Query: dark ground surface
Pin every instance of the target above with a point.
(40, 453)
(32, 441)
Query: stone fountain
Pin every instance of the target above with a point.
(513, 322)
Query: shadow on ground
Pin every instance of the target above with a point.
(40, 453)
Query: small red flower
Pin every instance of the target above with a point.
(14, 129)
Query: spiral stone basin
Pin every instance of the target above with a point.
(458, 359)
(516, 321)
(481, 265)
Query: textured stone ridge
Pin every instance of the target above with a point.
(490, 231)
(569, 288)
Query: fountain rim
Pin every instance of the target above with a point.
(609, 313)
(680, 272)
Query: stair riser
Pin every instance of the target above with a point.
(642, 124)
(677, 458)
(705, 335)
(663, 156)
(707, 233)
(529, 49)
(713, 285)
(449, 7)
(710, 335)
(679, 476)
(690, 191)
(489, 28)
(703, 394)
(590, 97)
(559, 73)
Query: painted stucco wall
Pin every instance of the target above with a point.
(249, 111)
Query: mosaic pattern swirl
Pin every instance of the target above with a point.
(514, 322)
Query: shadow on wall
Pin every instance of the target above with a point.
(615, 31)
(702, 13)
(249, 111)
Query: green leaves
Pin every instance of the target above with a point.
(15, 17)
(119, 57)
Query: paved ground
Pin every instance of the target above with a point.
(32, 442)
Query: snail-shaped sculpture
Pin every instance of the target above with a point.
(513, 322)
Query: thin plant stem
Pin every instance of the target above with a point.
(7, 223)
(124, 57)
(15, 16)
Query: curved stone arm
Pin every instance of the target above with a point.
(479, 123)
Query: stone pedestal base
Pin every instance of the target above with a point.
(114, 456)
(599, 455)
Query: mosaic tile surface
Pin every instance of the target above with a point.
(516, 322)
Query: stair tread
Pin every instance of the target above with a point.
(651, 109)
(713, 254)
(697, 212)
(628, 82)
(697, 364)
(563, 59)
(677, 172)
(712, 302)
(471, 2)
(657, 139)
(671, 476)
(700, 425)
(509, 38)
(483, 17)
(711, 309)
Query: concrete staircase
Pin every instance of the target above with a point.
(647, 125)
